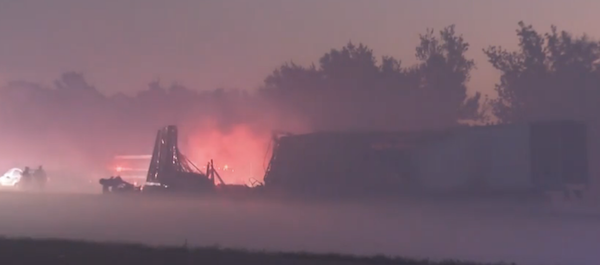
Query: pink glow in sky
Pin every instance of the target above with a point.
(122, 45)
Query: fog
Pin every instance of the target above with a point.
(74, 130)
(473, 231)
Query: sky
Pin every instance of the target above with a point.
(204, 44)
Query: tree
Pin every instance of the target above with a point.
(352, 67)
(350, 90)
(291, 77)
(444, 73)
(550, 76)
(73, 87)
(323, 94)
(72, 81)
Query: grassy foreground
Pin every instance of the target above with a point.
(54, 251)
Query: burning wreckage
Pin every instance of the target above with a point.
(526, 159)
(169, 170)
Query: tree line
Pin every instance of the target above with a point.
(552, 75)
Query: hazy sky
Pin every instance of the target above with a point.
(122, 45)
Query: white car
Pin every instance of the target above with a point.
(11, 177)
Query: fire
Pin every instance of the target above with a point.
(239, 154)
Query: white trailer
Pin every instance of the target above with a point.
(534, 157)
(542, 156)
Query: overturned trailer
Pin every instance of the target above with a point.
(520, 158)
(170, 170)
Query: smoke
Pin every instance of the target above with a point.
(240, 150)
(74, 136)
(239, 153)
(71, 129)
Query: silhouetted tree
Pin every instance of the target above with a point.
(73, 88)
(72, 81)
(350, 89)
(550, 76)
(445, 71)
(293, 76)
(352, 67)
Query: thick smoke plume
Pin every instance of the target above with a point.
(72, 129)
(240, 153)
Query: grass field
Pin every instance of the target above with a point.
(437, 231)
(53, 251)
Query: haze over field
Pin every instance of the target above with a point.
(83, 81)
(444, 231)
